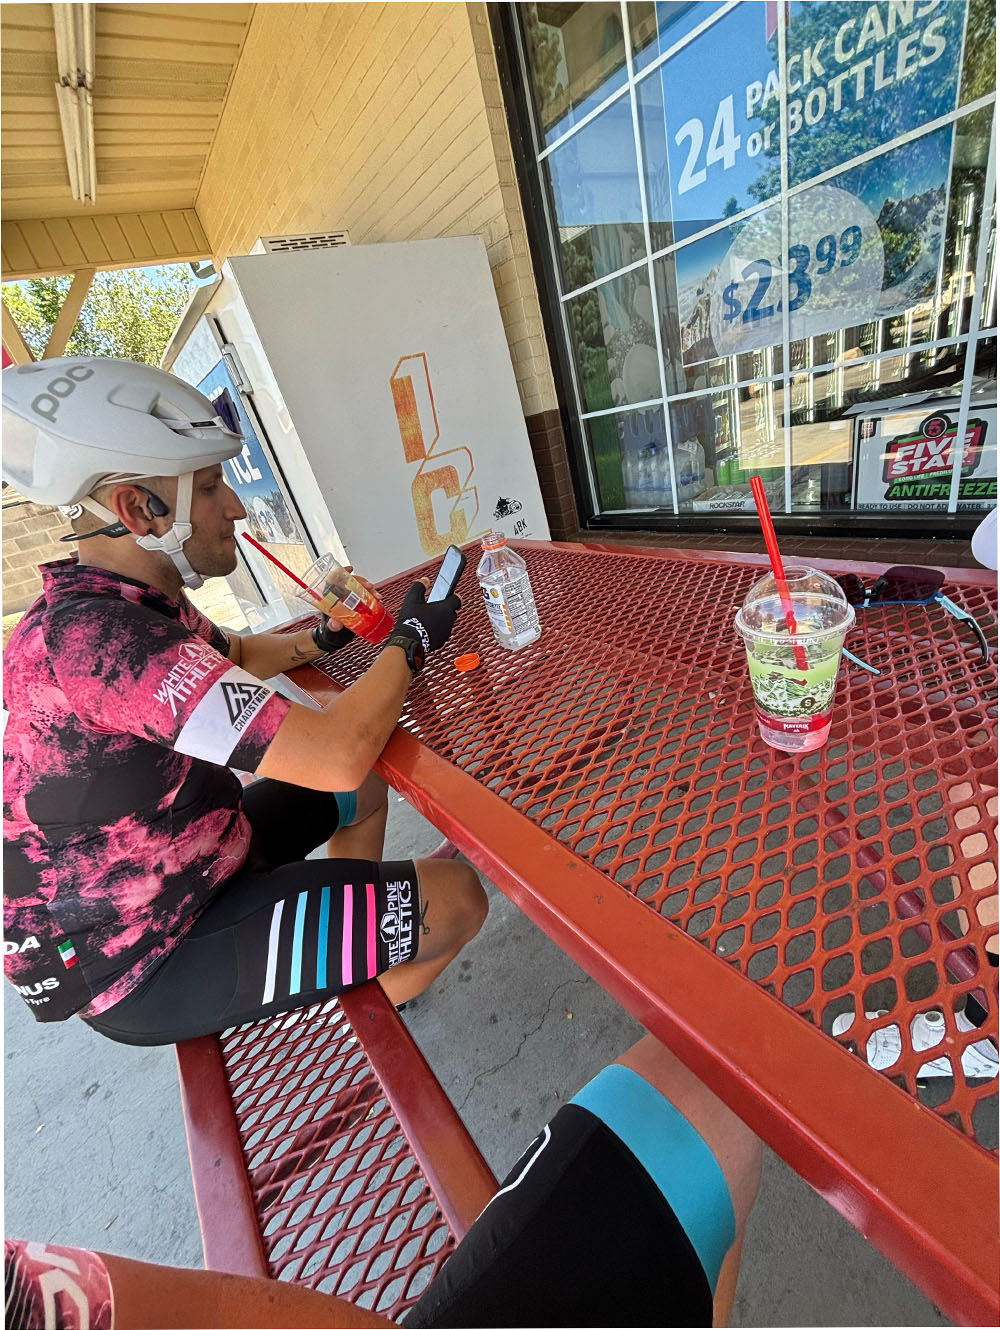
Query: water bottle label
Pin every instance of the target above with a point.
(511, 607)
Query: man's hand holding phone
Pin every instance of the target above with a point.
(431, 621)
(425, 621)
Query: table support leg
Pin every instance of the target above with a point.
(444, 851)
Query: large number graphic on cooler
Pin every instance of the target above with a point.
(445, 502)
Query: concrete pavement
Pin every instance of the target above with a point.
(95, 1150)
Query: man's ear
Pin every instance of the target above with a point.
(135, 510)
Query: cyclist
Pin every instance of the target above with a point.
(145, 889)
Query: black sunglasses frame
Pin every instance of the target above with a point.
(868, 598)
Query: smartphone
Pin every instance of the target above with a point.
(448, 574)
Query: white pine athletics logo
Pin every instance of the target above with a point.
(396, 924)
(242, 698)
(389, 927)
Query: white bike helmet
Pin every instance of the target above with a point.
(73, 423)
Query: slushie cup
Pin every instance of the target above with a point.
(346, 600)
(793, 705)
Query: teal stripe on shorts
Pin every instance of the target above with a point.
(674, 1156)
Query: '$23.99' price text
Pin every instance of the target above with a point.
(830, 254)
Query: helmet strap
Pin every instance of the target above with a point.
(172, 541)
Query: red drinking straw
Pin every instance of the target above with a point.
(287, 571)
(771, 541)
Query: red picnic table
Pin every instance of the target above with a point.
(610, 779)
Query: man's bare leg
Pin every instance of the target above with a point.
(452, 901)
(736, 1149)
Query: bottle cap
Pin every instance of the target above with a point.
(493, 540)
(467, 662)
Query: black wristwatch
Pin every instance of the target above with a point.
(413, 647)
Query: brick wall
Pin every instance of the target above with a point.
(387, 121)
(30, 537)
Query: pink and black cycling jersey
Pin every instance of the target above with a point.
(121, 815)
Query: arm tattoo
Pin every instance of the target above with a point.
(423, 916)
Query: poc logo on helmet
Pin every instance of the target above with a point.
(47, 404)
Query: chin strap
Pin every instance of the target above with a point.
(171, 542)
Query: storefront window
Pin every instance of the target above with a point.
(594, 183)
(577, 58)
(779, 214)
(656, 28)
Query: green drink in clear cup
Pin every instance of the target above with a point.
(794, 675)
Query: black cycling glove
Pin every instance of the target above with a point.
(326, 638)
(429, 623)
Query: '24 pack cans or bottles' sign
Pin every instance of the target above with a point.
(865, 244)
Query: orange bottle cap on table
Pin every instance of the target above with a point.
(467, 662)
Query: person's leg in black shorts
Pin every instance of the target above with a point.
(289, 821)
(627, 1209)
(286, 931)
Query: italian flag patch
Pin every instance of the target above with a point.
(68, 953)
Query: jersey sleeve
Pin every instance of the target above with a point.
(56, 1286)
(126, 669)
(201, 624)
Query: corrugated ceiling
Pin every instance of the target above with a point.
(161, 77)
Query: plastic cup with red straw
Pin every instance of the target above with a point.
(363, 612)
(287, 571)
(777, 567)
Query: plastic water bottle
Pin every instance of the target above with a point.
(641, 478)
(655, 492)
(510, 602)
(630, 478)
(689, 461)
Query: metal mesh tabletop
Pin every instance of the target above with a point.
(843, 883)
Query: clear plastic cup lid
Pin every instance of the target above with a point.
(801, 581)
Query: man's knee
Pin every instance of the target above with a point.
(471, 905)
(743, 1171)
(476, 905)
(452, 892)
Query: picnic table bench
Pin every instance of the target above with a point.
(324, 1152)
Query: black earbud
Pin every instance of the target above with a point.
(157, 508)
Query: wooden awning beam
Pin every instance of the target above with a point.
(62, 329)
(49, 246)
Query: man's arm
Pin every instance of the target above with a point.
(336, 748)
(266, 654)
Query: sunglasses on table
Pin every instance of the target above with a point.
(908, 586)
